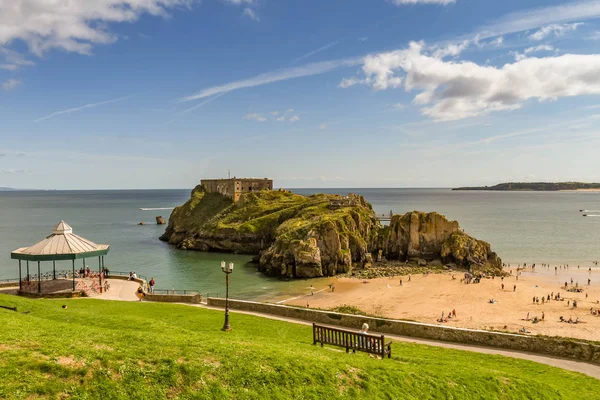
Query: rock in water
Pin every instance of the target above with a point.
(417, 236)
(160, 220)
(295, 236)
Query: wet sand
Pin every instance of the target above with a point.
(424, 299)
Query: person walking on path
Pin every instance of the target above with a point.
(151, 283)
(140, 293)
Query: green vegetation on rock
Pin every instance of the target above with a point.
(296, 236)
(98, 349)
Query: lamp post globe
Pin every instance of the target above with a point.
(227, 269)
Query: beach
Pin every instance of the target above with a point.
(425, 297)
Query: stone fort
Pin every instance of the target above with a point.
(235, 187)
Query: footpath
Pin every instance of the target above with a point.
(564, 363)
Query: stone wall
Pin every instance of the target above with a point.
(174, 298)
(235, 187)
(554, 346)
(57, 295)
(9, 284)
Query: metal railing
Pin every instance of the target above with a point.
(175, 291)
(121, 273)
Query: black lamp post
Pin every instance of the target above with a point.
(228, 269)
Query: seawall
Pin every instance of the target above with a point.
(554, 346)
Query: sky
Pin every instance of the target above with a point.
(134, 94)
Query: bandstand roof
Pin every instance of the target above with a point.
(62, 244)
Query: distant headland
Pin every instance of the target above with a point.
(536, 186)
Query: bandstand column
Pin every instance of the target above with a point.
(100, 272)
(20, 279)
(73, 275)
(39, 279)
(27, 270)
(53, 270)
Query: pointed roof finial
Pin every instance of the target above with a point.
(61, 228)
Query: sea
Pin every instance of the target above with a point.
(522, 227)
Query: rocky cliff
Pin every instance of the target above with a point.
(430, 236)
(298, 236)
(295, 236)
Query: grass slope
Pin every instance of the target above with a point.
(115, 350)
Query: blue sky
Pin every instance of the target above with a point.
(313, 93)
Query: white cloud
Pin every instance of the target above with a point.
(555, 30)
(538, 17)
(274, 113)
(521, 56)
(294, 118)
(499, 41)
(202, 104)
(255, 117)
(452, 49)
(13, 60)
(250, 13)
(75, 109)
(543, 47)
(403, 2)
(276, 76)
(15, 171)
(11, 84)
(239, 2)
(320, 49)
(73, 26)
(450, 90)
(347, 82)
(323, 126)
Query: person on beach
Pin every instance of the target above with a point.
(400, 282)
(454, 313)
(151, 283)
(130, 276)
(409, 278)
(589, 281)
(503, 286)
(134, 276)
(527, 319)
(514, 288)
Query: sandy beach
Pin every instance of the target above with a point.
(424, 298)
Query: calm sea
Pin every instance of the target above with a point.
(521, 226)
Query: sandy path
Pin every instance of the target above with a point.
(424, 299)
(567, 364)
(120, 290)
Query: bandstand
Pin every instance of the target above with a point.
(61, 245)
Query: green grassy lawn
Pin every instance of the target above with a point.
(115, 350)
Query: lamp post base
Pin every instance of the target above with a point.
(226, 326)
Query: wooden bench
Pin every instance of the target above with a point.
(352, 340)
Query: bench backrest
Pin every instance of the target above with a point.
(348, 339)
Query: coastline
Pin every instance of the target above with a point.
(425, 297)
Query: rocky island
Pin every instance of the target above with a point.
(295, 236)
(536, 186)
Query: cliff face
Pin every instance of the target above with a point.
(321, 235)
(295, 236)
(416, 235)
